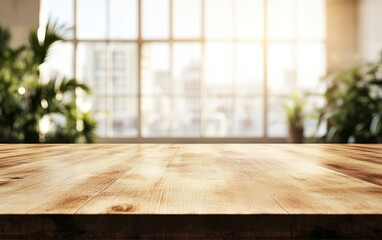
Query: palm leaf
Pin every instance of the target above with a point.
(40, 47)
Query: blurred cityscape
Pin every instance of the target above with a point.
(189, 86)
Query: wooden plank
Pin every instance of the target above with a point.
(299, 191)
(164, 179)
(359, 161)
(300, 186)
(116, 226)
(62, 184)
(154, 226)
(193, 181)
(336, 226)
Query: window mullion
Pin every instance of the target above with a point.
(139, 42)
(202, 69)
(234, 65)
(75, 41)
(265, 59)
(294, 46)
(170, 73)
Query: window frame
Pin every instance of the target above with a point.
(140, 41)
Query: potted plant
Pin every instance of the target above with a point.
(26, 102)
(353, 110)
(295, 117)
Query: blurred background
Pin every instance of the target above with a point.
(195, 70)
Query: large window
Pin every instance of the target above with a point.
(192, 68)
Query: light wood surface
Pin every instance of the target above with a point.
(286, 184)
(188, 179)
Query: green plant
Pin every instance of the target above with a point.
(295, 114)
(295, 117)
(26, 101)
(353, 110)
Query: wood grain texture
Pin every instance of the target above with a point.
(270, 182)
(187, 179)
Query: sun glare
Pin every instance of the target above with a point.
(210, 63)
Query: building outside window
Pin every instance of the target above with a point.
(192, 68)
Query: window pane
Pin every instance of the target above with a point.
(281, 75)
(249, 19)
(123, 19)
(97, 105)
(156, 116)
(311, 65)
(219, 117)
(186, 68)
(91, 18)
(155, 19)
(249, 117)
(60, 60)
(186, 117)
(124, 68)
(219, 16)
(91, 66)
(249, 69)
(186, 18)
(311, 19)
(218, 68)
(277, 122)
(155, 68)
(125, 113)
(280, 19)
(58, 11)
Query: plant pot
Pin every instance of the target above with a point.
(295, 135)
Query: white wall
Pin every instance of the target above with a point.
(370, 29)
(20, 17)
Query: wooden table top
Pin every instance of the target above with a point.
(191, 179)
